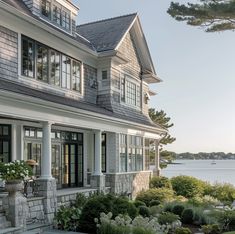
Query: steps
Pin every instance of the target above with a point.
(11, 230)
(3, 221)
(37, 228)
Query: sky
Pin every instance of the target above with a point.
(197, 69)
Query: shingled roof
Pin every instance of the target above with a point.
(106, 34)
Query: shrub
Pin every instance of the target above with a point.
(139, 203)
(104, 203)
(160, 194)
(168, 206)
(223, 192)
(154, 203)
(144, 211)
(226, 219)
(80, 201)
(187, 186)
(67, 218)
(155, 210)
(178, 209)
(160, 182)
(187, 216)
(167, 218)
(211, 229)
(182, 230)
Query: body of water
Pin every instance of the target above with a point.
(222, 171)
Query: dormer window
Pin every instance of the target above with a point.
(56, 13)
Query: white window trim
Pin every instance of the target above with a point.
(135, 81)
(40, 85)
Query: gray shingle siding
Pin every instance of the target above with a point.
(33, 5)
(90, 83)
(8, 53)
(128, 49)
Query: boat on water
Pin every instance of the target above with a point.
(213, 162)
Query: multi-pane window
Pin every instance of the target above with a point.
(76, 76)
(65, 19)
(123, 152)
(28, 51)
(5, 143)
(147, 153)
(42, 62)
(56, 13)
(130, 91)
(46, 8)
(52, 66)
(135, 153)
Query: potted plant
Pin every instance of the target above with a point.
(13, 174)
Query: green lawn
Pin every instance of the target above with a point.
(229, 232)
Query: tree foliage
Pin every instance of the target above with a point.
(161, 118)
(212, 15)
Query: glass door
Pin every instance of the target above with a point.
(56, 164)
(5, 143)
(69, 165)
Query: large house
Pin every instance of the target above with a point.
(75, 98)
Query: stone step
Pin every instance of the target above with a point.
(12, 230)
(37, 228)
(3, 221)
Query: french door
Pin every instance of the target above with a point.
(5, 143)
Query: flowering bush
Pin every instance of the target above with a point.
(17, 170)
(124, 224)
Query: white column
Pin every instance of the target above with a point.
(13, 142)
(20, 142)
(46, 152)
(98, 162)
(157, 158)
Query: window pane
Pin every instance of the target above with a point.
(46, 8)
(76, 76)
(39, 133)
(65, 19)
(42, 63)
(55, 68)
(27, 57)
(57, 14)
(5, 131)
(104, 75)
(66, 70)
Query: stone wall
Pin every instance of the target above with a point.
(8, 53)
(129, 183)
(35, 210)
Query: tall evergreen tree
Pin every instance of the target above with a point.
(161, 118)
(212, 15)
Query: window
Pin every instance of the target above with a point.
(56, 13)
(46, 8)
(130, 91)
(42, 63)
(76, 76)
(28, 57)
(65, 19)
(135, 152)
(5, 143)
(52, 66)
(123, 152)
(104, 75)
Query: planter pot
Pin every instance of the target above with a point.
(14, 186)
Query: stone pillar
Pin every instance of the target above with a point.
(157, 171)
(98, 178)
(15, 204)
(46, 183)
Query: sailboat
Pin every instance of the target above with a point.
(213, 162)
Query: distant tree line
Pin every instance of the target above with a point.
(202, 155)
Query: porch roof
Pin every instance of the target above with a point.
(133, 116)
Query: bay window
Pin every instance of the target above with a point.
(42, 63)
(28, 51)
(55, 68)
(66, 70)
(46, 8)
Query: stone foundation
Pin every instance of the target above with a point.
(98, 181)
(128, 183)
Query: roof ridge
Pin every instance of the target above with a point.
(108, 19)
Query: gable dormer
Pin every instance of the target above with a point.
(60, 13)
